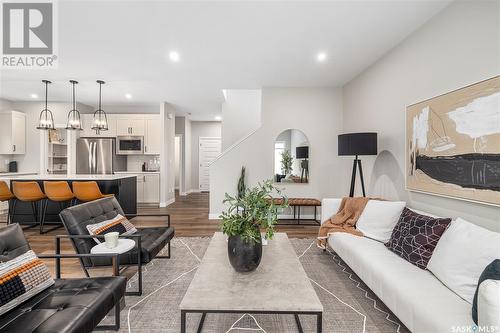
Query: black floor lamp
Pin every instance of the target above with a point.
(356, 144)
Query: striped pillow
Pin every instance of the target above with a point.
(118, 224)
(22, 278)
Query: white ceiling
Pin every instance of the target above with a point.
(221, 44)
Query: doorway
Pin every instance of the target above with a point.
(210, 149)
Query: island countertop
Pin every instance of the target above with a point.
(67, 177)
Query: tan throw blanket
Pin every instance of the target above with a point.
(344, 221)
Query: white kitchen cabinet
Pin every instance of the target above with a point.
(87, 122)
(148, 187)
(130, 126)
(152, 139)
(12, 133)
(140, 188)
(151, 188)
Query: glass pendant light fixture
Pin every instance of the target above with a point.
(74, 122)
(100, 121)
(46, 120)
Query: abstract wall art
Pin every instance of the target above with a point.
(453, 144)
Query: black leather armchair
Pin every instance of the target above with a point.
(149, 241)
(70, 305)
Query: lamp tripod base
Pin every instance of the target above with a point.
(357, 164)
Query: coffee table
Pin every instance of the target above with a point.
(278, 286)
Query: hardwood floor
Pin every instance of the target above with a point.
(189, 217)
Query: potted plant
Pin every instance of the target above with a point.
(246, 215)
(286, 162)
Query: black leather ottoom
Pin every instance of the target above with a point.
(70, 305)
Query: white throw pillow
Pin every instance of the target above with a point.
(461, 255)
(379, 218)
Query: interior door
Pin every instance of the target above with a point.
(209, 149)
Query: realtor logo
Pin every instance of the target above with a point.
(28, 35)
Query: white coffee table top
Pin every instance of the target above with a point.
(278, 284)
(123, 246)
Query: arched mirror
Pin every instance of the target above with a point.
(291, 157)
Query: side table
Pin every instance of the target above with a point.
(124, 245)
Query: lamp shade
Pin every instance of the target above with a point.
(357, 144)
(302, 152)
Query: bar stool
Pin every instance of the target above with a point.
(29, 192)
(6, 195)
(88, 191)
(56, 191)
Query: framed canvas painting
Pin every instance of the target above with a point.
(453, 144)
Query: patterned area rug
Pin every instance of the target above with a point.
(349, 306)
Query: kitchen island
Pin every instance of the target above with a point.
(124, 187)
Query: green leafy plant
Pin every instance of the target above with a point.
(241, 183)
(256, 209)
(286, 162)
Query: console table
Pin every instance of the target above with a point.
(297, 204)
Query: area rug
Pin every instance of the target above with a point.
(349, 306)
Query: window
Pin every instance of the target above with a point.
(279, 148)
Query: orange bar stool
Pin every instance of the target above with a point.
(6, 195)
(56, 191)
(32, 193)
(88, 191)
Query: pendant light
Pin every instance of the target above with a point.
(74, 122)
(100, 121)
(46, 120)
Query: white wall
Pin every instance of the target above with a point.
(200, 129)
(315, 111)
(241, 115)
(458, 47)
(120, 109)
(167, 148)
(188, 156)
(5, 105)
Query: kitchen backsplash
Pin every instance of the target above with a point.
(134, 162)
(4, 162)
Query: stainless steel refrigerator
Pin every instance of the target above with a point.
(98, 156)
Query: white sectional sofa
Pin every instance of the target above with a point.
(415, 296)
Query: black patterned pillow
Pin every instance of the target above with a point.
(22, 278)
(415, 236)
(118, 224)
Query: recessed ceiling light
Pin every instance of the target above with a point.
(34, 96)
(218, 118)
(128, 96)
(321, 56)
(174, 56)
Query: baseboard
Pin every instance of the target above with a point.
(183, 194)
(165, 204)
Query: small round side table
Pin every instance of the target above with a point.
(124, 245)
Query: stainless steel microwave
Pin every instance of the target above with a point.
(129, 145)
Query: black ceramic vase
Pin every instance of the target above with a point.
(244, 256)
